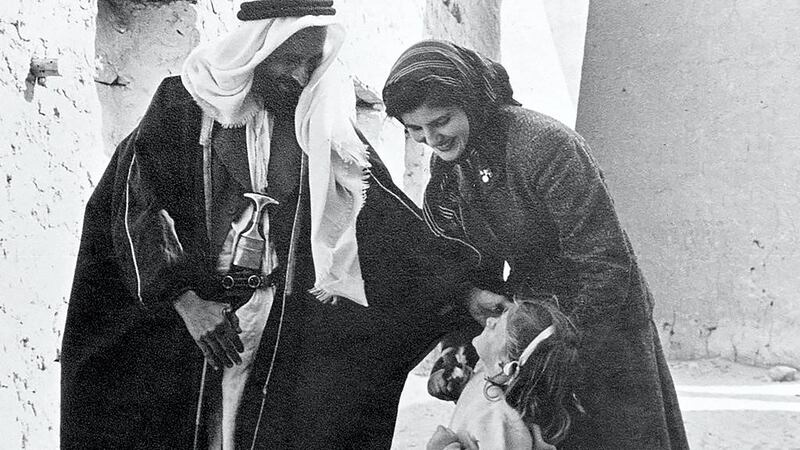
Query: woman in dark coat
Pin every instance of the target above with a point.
(520, 187)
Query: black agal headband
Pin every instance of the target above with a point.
(267, 9)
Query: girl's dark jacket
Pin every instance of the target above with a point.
(131, 371)
(529, 193)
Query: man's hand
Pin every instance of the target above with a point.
(214, 328)
(483, 304)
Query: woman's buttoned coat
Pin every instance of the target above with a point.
(530, 194)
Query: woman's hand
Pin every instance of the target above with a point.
(448, 388)
(446, 439)
(450, 374)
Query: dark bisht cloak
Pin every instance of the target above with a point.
(130, 370)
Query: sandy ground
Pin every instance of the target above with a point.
(725, 406)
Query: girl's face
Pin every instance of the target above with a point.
(491, 344)
(445, 129)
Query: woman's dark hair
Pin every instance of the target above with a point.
(543, 390)
(404, 97)
(442, 74)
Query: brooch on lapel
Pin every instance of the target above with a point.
(485, 174)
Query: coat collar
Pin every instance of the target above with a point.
(483, 167)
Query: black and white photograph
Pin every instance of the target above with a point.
(407, 224)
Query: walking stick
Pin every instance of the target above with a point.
(297, 225)
(288, 287)
(198, 415)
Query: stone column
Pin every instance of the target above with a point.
(471, 23)
(138, 45)
(692, 109)
(542, 47)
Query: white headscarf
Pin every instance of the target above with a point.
(219, 76)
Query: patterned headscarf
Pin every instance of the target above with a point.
(480, 86)
(480, 80)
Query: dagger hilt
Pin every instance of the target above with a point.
(250, 246)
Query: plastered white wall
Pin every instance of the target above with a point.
(692, 111)
(50, 159)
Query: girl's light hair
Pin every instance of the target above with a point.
(543, 389)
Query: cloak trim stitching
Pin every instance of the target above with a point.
(128, 231)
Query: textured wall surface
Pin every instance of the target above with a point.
(50, 158)
(137, 46)
(692, 110)
(377, 32)
(471, 23)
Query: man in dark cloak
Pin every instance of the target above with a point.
(248, 275)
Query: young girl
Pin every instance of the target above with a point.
(521, 394)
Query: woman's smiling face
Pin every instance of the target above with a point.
(443, 128)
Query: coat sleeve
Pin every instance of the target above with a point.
(158, 232)
(557, 169)
(483, 270)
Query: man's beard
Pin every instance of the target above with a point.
(281, 96)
